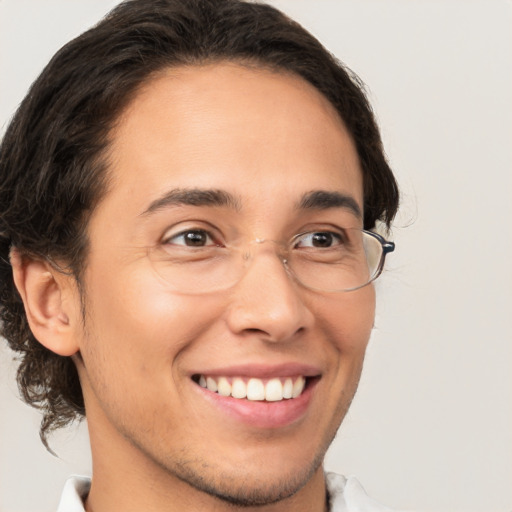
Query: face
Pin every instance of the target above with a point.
(204, 155)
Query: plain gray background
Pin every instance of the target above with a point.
(431, 426)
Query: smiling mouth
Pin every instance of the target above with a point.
(254, 389)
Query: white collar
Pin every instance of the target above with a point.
(345, 495)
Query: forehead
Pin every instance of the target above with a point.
(226, 126)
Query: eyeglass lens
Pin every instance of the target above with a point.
(318, 260)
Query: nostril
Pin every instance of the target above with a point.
(256, 331)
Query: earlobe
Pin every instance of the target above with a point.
(49, 302)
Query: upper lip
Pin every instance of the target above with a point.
(261, 371)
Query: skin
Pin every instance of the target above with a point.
(267, 138)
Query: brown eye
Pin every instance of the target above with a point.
(192, 238)
(195, 238)
(322, 239)
(319, 239)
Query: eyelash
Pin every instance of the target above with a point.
(210, 240)
(336, 237)
(183, 233)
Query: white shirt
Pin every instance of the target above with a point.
(346, 495)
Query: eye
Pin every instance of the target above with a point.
(319, 239)
(191, 238)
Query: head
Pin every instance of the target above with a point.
(72, 164)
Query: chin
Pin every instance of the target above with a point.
(244, 488)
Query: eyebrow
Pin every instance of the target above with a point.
(313, 200)
(193, 197)
(325, 199)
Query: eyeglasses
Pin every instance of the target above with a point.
(338, 260)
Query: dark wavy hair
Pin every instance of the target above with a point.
(53, 168)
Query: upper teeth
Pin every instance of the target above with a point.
(271, 390)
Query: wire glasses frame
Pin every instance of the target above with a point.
(321, 261)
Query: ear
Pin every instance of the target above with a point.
(51, 302)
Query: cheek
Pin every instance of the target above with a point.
(135, 340)
(141, 323)
(348, 320)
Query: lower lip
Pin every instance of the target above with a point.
(262, 414)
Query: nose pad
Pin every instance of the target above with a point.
(249, 254)
(267, 301)
(278, 249)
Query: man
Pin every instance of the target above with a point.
(183, 197)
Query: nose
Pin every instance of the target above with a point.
(267, 302)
